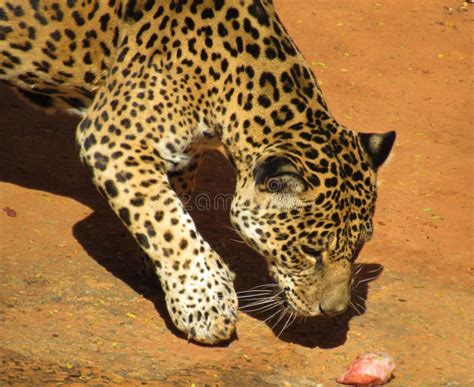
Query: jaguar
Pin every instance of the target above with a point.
(157, 84)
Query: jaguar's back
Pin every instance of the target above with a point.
(58, 52)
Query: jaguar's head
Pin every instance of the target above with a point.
(307, 207)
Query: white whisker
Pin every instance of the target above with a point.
(274, 314)
(231, 228)
(366, 280)
(283, 314)
(378, 270)
(355, 309)
(255, 294)
(248, 300)
(358, 270)
(252, 298)
(293, 321)
(256, 291)
(286, 324)
(262, 301)
(261, 293)
(237, 241)
(361, 306)
(265, 308)
(265, 286)
(255, 303)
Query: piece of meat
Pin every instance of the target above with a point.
(369, 369)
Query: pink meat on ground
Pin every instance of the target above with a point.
(369, 369)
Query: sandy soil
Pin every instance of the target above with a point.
(73, 308)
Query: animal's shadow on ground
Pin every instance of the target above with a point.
(40, 153)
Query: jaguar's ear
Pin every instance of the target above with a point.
(377, 146)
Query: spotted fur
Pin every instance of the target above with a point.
(159, 82)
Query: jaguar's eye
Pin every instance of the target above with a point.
(283, 184)
(313, 253)
(310, 251)
(275, 184)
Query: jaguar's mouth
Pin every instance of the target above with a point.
(305, 310)
(271, 298)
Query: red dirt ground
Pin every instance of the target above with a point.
(74, 310)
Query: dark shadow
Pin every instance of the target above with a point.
(38, 151)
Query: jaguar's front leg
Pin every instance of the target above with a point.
(183, 182)
(199, 287)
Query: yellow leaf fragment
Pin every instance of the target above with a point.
(320, 64)
(131, 315)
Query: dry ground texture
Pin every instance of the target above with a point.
(74, 310)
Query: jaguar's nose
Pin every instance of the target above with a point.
(333, 310)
